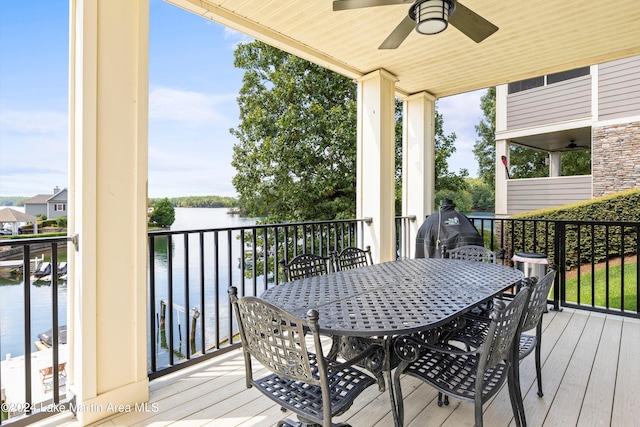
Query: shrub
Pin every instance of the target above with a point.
(588, 242)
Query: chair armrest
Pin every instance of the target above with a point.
(409, 348)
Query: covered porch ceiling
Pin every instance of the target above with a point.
(534, 38)
(575, 139)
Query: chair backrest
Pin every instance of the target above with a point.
(352, 257)
(471, 253)
(305, 265)
(277, 340)
(506, 322)
(538, 299)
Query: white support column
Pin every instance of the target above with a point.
(418, 161)
(108, 198)
(555, 164)
(375, 162)
(502, 149)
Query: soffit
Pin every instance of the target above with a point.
(534, 38)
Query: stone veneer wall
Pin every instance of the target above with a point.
(616, 158)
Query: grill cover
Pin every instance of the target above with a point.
(455, 230)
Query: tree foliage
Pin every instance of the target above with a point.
(295, 158)
(296, 155)
(485, 147)
(447, 183)
(163, 214)
(200, 202)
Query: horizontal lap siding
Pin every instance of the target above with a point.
(538, 193)
(566, 100)
(619, 88)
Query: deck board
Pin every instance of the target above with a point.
(597, 403)
(626, 404)
(590, 378)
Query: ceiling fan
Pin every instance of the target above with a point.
(573, 146)
(427, 17)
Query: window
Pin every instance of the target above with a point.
(60, 207)
(566, 75)
(527, 84)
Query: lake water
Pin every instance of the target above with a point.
(12, 289)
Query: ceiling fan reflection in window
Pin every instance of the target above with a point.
(427, 17)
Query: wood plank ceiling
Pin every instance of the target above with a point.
(534, 38)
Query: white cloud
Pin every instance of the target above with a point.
(34, 121)
(189, 107)
(461, 113)
(236, 37)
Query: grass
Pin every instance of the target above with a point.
(630, 287)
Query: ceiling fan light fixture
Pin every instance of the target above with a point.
(431, 16)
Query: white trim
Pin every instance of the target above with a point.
(538, 130)
(617, 121)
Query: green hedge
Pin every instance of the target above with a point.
(588, 242)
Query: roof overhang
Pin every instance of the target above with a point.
(534, 38)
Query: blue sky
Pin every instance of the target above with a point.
(192, 102)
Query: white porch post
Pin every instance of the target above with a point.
(375, 162)
(418, 161)
(502, 149)
(555, 164)
(108, 176)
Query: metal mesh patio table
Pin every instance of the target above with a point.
(374, 304)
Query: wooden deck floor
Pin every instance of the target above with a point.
(591, 377)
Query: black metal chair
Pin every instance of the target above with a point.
(305, 382)
(473, 375)
(353, 257)
(476, 331)
(471, 253)
(305, 265)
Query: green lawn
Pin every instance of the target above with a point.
(630, 287)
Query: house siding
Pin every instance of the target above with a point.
(35, 209)
(619, 89)
(538, 193)
(615, 158)
(562, 101)
(60, 197)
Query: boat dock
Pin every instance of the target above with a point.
(13, 381)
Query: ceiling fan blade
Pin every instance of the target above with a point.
(398, 34)
(471, 24)
(359, 4)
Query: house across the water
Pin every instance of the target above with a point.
(52, 205)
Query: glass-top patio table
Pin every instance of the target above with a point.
(372, 305)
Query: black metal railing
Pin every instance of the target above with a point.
(190, 272)
(597, 260)
(35, 268)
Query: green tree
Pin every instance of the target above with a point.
(483, 197)
(163, 214)
(447, 183)
(296, 155)
(295, 159)
(485, 147)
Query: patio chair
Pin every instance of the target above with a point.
(304, 382)
(353, 257)
(46, 376)
(456, 372)
(471, 253)
(305, 265)
(475, 333)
